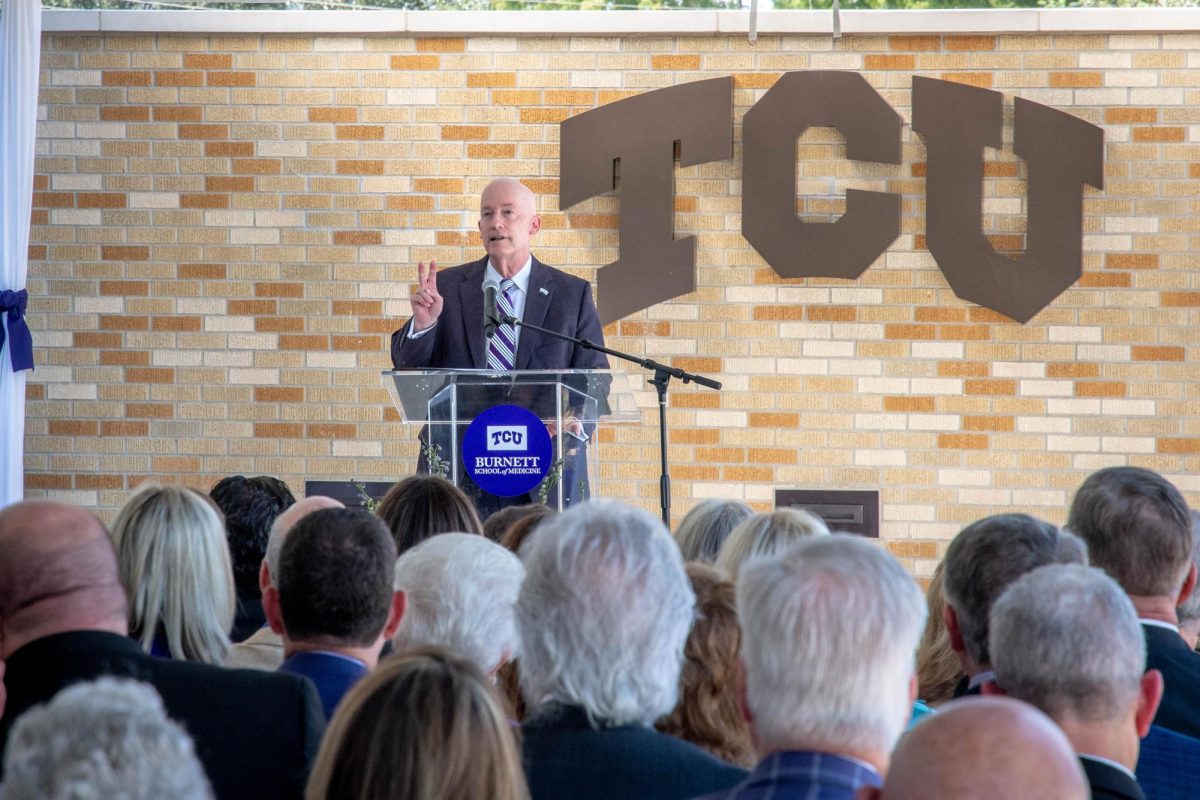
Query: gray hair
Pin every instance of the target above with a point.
(1137, 527)
(990, 554)
(1190, 610)
(768, 534)
(287, 520)
(460, 590)
(1066, 639)
(830, 630)
(603, 614)
(107, 739)
(706, 527)
(175, 567)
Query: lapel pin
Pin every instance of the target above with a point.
(542, 291)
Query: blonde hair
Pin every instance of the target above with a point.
(767, 535)
(175, 567)
(425, 725)
(938, 667)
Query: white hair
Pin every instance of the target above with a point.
(766, 535)
(603, 614)
(108, 739)
(706, 527)
(830, 629)
(1066, 639)
(175, 566)
(460, 589)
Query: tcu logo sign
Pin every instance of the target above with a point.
(956, 122)
(506, 437)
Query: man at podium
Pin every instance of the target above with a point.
(446, 330)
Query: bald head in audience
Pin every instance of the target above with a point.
(279, 530)
(58, 573)
(984, 748)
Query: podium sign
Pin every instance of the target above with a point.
(504, 455)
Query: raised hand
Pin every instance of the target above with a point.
(424, 297)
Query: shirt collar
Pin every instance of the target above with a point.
(1109, 762)
(1158, 623)
(980, 678)
(521, 279)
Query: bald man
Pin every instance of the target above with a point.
(446, 330)
(62, 620)
(984, 748)
(264, 650)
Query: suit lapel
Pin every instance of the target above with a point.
(537, 303)
(470, 299)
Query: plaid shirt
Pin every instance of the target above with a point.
(802, 775)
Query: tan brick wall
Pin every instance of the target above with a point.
(225, 226)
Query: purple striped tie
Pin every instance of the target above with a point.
(502, 352)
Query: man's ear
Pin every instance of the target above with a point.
(1149, 696)
(953, 630)
(264, 577)
(272, 610)
(1189, 586)
(535, 224)
(399, 603)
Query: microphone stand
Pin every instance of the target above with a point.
(662, 377)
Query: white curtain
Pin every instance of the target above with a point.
(20, 56)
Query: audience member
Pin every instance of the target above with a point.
(767, 535)
(459, 592)
(1189, 610)
(938, 669)
(1139, 531)
(106, 738)
(250, 505)
(708, 713)
(333, 602)
(424, 726)
(514, 538)
(498, 522)
(980, 563)
(603, 615)
(63, 620)
(705, 528)
(264, 650)
(829, 632)
(175, 567)
(422, 506)
(1066, 640)
(984, 748)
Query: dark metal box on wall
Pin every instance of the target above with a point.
(844, 511)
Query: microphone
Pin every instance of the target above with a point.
(490, 289)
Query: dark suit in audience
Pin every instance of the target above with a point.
(803, 775)
(1166, 767)
(1110, 782)
(332, 674)
(1167, 652)
(566, 757)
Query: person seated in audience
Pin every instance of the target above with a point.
(333, 603)
(424, 725)
(1189, 610)
(459, 592)
(984, 748)
(264, 650)
(63, 620)
(104, 738)
(514, 538)
(175, 566)
(1138, 530)
(705, 528)
(1066, 639)
(829, 631)
(938, 669)
(421, 506)
(498, 522)
(708, 714)
(250, 505)
(766, 535)
(603, 615)
(981, 562)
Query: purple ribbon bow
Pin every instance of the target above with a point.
(21, 341)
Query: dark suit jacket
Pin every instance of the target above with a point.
(555, 301)
(1110, 783)
(1167, 765)
(566, 758)
(1167, 652)
(255, 732)
(333, 675)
